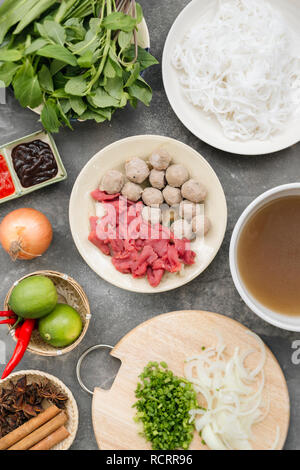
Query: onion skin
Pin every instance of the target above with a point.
(25, 234)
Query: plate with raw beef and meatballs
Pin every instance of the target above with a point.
(148, 214)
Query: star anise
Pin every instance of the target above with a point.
(21, 385)
(53, 394)
(29, 410)
(21, 401)
(32, 396)
(12, 421)
(5, 401)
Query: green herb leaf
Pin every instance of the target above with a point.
(90, 43)
(141, 90)
(59, 80)
(53, 31)
(49, 117)
(105, 112)
(101, 99)
(10, 55)
(113, 59)
(144, 58)
(86, 60)
(87, 115)
(7, 72)
(74, 30)
(124, 39)
(60, 93)
(118, 21)
(13, 13)
(109, 70)
(58, 52)
(78, 105)
(26, 87)
(139, 13)
(63, 115)
(56, 66)
(35, 46)
(114, 87)
(134, 75)
(45, 79)
(65, 105)
(76, 86)
(39, 7)
(7, 5)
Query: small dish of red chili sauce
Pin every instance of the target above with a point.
(7, 187)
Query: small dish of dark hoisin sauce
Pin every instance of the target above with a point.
(34, 163)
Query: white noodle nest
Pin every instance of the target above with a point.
(243, 67)
(233, 394)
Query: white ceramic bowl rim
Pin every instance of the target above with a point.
(290, 323)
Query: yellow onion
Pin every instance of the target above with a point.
(25, 233)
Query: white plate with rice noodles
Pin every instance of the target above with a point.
(231, 71)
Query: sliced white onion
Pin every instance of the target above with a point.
(211, 439)
(233, 394)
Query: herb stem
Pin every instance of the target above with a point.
(106, 49)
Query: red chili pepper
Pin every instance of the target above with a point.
(6, 183)
(24, 335)
(8, 313)
(17, 331)
(8, 321)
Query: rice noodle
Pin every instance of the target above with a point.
(233, 395)
(243, 67)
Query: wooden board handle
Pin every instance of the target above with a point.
(82, 357)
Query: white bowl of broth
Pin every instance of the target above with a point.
(265, 256)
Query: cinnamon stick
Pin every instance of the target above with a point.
(40, 433)
(27, 428)
(50, 441)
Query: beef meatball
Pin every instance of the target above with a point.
(152, 197)
(132, 191)
(188, 209)
(193, 191)
(137, 170)
(201, 225)
(157, 179)
(152, 215)
(160, 159)
(112, 182)
(169, 215)
(177, 175)
(172, 195)
(182, 229)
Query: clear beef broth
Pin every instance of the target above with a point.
(269, 255)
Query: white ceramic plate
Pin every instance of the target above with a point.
(198, 122)
(82, 206)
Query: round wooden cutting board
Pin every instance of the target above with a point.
(171, 338)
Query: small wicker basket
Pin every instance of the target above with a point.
(71, 405)
(70, 292)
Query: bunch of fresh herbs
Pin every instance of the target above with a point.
(75, 59)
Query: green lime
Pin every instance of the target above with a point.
(61, 327)
(34, 297)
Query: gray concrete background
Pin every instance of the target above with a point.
(115, 312)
